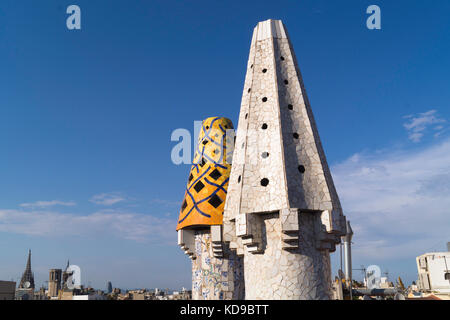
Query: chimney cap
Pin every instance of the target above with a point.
(270, 29)
(347, 237)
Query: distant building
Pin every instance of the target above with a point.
(27, 281)
(181, 295)
(158, 292)
(116, 291)
(93, 296)
(81, 294)
(25, 291)
(42, 294)
(434, 272)
(146, 294)
(109, 287)
(137, 295)
(7, 290)
(54, 282)
(385, 283)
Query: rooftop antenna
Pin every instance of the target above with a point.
(363, 270)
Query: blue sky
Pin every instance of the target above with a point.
(86, 118)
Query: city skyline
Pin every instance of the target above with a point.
(86, 118)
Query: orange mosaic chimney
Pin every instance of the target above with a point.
(206, 190)
(217, 272)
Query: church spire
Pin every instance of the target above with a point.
(27, 281)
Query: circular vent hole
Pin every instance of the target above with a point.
(264, 126)
(264, 182)
(286, 82)
(301, 169)
(282, 58)
(249, 89)
(265, 155)
(264, 70)
(264, 99)
(290, 107)
(295, 135)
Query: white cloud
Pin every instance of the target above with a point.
(166, 203)
(44, 204)
(418, 123)
(398, 201)
(130, 226)
(107, 199)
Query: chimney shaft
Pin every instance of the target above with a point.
(348, 253)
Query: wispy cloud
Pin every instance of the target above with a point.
(109, 223)
(45, 204)
(166, 203)
(417, 124)
(108, 199)
(398, 201)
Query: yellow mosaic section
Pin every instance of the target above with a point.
(206, 189)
